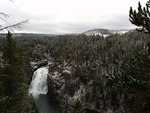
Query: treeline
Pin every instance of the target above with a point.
(81, 46)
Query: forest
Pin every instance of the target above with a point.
(87, 74)
(105, 65)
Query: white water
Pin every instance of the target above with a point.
(39, 82)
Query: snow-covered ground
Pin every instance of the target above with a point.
(105, 32)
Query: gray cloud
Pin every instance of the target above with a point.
(120, 22)
(69, 16)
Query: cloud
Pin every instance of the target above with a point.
(68, 16)
(118, 22)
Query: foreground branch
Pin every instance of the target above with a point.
(17, 25)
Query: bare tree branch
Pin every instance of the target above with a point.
(3, 16)
(17, 25)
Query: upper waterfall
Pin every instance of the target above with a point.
(39, 81)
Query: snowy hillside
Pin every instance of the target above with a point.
(105, 32)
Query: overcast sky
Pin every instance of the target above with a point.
(69, 16)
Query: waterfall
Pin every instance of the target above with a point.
(39, 88)
(39, 82)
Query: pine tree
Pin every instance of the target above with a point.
(134, 78)
(141, 18)
(13, 96)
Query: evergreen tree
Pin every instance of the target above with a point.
(134, 78)
(13, 81)
(141, 18)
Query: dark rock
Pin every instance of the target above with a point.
(28, 71)
(36, 65)
(51, 68)
(89, 110)
(52, 90)
(42, 63)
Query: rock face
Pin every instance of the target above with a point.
(56, 83)
(51, 88)
(69, 83)
(28, 71)
(36, 65)
(42, 63)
